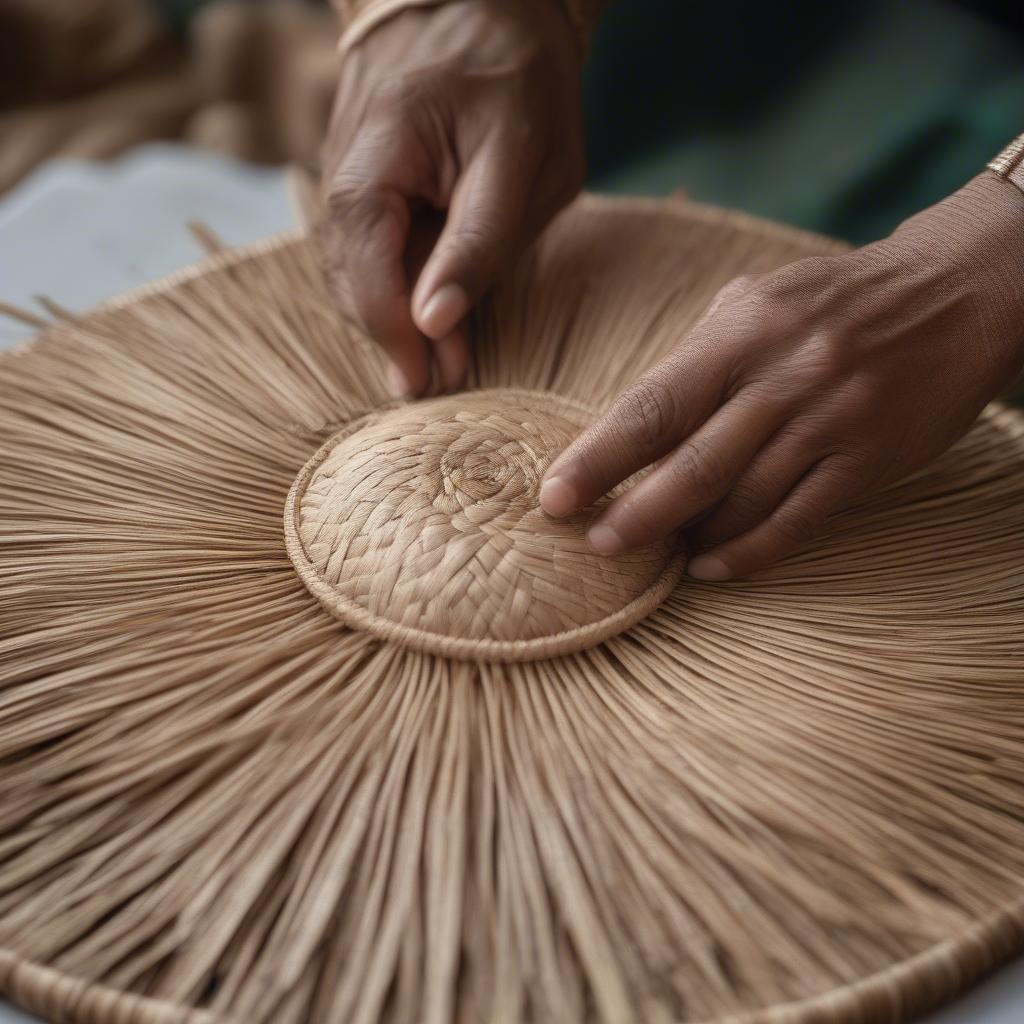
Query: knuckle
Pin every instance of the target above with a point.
(730, 292)
(742, 315)
(524, 76)
(364, 228)
(474, 239)
(348, 204)
(800, 274)
(849, 472)
(343, 195)
(397, 96)
(774, 311)
(738, 286)
(795, 523)
(825, 355)
(648, 412)
(474, 248)
(854, 394)
(749, 501)
(815, 285)
(700, 469)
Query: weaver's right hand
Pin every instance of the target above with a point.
(456, 136)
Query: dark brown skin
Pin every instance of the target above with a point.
(801, 390)
(456, 136)
(797, 392)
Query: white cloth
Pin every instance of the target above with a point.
(82, 232)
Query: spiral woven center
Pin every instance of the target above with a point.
(422, 524)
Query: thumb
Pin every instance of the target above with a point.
(484, 228)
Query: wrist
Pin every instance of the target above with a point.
(974, 242)
(366, 16)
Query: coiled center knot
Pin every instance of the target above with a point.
(477, 469)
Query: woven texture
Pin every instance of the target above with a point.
(423, 525)
(797, 799)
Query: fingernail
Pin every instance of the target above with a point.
(443, 310)
(397, 382)
(557, 497)
(451, 359)
(709, 568)
(604, 540)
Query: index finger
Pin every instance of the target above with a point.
(690, 481)
(644, 424)
(367, 230)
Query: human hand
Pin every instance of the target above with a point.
(802, 389)
(456, 136)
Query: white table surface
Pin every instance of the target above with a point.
(82, 232)
(69, 233)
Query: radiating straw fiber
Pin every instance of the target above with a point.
(280, 740)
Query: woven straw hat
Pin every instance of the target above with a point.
(307, 713)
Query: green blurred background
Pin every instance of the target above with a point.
(840, 117)
(843, 117)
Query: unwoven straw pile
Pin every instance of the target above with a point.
(794, 799)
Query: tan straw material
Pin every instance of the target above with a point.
(421, 525)
(231, 790)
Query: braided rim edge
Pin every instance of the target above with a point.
(911, 987)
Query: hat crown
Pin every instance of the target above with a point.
(422, 523)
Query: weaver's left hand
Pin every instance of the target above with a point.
(800, 390)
